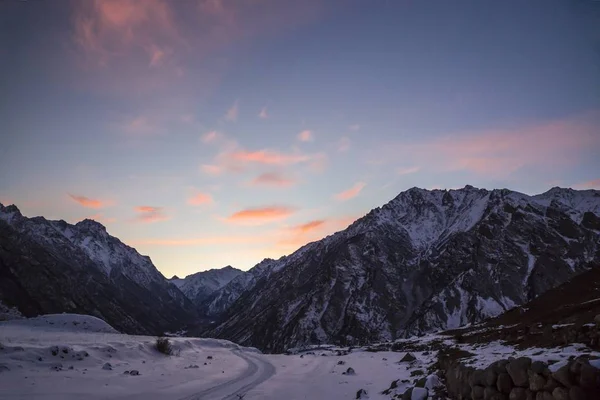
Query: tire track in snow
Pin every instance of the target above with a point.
(257, 372)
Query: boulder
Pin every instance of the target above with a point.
(517, 369)
(489, 393)
(490, 377)
(107, 366)
(589, 377)
(408, 357)
(504, 384)
(477, 392)
(577, 393)
(361, 394)
(518, 393)
(134, 372)
(538, 367)
(560, 393)
(563, 376)
(419, 394)
(536, 382)
(544, 396)
(550, 385)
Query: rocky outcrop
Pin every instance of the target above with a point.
(522, 379)
(199, 286)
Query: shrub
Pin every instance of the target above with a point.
(163, 345)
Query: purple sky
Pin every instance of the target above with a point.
(215, 132)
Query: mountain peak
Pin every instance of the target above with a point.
(174, 277)
(91, 225)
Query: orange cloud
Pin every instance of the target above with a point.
(306, 136)
(307, 227)
(260, 215)
(352, 192)
(408, 170)
(89, 203)
(593, 184)
(211, 169)
(268, 157)
(150, 214)
(272, 179)
(199, 199)
(210, 137)
(263, 113)
(232, 113)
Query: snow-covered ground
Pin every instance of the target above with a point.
(71, 356)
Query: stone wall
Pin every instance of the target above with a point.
(521, 379)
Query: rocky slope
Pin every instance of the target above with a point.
(53, 267)
(427, 260)
(199, 286)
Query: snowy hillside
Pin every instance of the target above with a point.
(52, 266)
(427, 260)
(197, 287)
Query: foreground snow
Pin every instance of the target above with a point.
(71, 357)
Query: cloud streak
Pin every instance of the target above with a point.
(273, 179)
(200, 199)
(89, 202)
(149, 214)
(593, 184)
(306, 136)
(407, 170)
(351, 193)
(260, 215)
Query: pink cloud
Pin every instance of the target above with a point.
(500, 153)
(263, 113)
(407, 170)
(211, 169)
(593, 184)
(268, 157)
(306, 136)
(308, 227)
(260, 215)
(352, 192)
(88, 202)
(150, 214)
(140, 125)
(210, 137)
(294, 237)
(232, 113)
(199, 199)
(272, 179)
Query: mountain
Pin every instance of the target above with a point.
(53, 267)
(199, 286)
(425, 261)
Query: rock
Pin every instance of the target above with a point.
(432, 382)
(421, 382)
(419, 394)
(361, 394)
(538, 367)
(126, 373)
(477, 392)
(134, 372)
(349, 371)
(209, 358)
(107, 367)
(341, 362)
(550, 385)
(504, 384)
(477, 378)
(560, 393)
(408, 357)
(575, 367)
(416, 372)
(536, 382)
(518, 393)
(563, 376)
(490, 377)
(407, 395)
(489, 393)
(544, 396)
(577, 393)
(589, 377)
(517, 369)
(71, 367)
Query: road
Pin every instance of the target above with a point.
(258, 371)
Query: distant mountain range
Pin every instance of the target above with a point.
(425, 261)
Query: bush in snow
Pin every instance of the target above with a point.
(163, 345)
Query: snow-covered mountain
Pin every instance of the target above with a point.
(425, 261)
(52, 266)
(197, 287)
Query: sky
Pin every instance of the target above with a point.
(207, 133)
